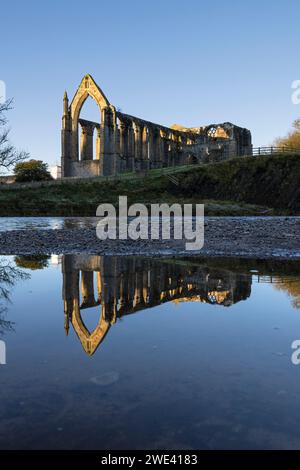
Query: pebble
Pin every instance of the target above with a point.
(269, 237)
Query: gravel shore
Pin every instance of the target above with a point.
(275, 237)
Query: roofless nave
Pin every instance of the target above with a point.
(130, 285)
(127, 143)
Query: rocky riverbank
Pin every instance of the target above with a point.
(275, 237)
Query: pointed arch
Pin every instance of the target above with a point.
(89, 341)
(88, 87)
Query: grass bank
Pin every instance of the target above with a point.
(240, 186)
(272, 181)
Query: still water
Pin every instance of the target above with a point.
(56, 223)
(107, 353)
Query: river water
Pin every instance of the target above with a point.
(120, 353)
(56, 223)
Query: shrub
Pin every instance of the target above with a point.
(32, 261)
(32, 170)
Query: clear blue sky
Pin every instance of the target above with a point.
(189, 62)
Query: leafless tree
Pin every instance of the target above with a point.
(9, 155)
(9, 276)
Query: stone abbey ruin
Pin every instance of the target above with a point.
(127, 143)
(120, 286)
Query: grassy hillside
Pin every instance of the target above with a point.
(239, 186)
(270, 181)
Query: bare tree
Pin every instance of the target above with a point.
(9, 155)
(9, 276)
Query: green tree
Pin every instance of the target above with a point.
(32, 262)
(32, 170)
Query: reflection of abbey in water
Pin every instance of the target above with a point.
(121, 286)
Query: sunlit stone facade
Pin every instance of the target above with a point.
(126, 143)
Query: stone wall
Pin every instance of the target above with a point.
(9, 179)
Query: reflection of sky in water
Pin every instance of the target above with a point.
(29, 223)
(178, 375)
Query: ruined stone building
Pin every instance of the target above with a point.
(120, 286)
(127, 143)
